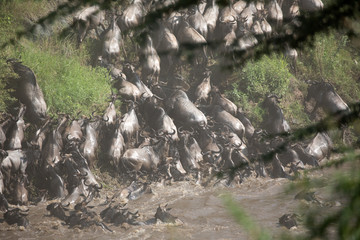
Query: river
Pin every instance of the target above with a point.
(200, 211)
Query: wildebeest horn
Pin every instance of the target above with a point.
(82, 175)
(180, 130)
(141, 133)
(156, 96)
(160, 132)
(220, 147)
(202, 124)
(67, 137)
(244, 19)
(99, 187)
(142, 95)
(233, 20)
(3, 153)
(192, 131)
(205, 153)
(211, 123)
(93, 114)
(173, 132)
(106, 120)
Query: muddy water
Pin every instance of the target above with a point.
(201, 211)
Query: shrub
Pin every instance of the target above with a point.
(270, 74)
(331, 60)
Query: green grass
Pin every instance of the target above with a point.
(68, 85)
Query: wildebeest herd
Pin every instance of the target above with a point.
(169, 129)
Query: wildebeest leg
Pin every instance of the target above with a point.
(102, 25)
(97, 33)
(343, 134)
(199, 178)
(204, 48)
(123, 45)
(261, 169)
(137, 138)
(313, 112)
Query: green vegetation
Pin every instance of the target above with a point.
(257, 79)
(332, 59)
(63, 72)
(5, 97)
(71, 85)
(270, 74)
(68, 85)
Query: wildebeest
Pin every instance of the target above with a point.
(290, 9)
(311, 5)
(150, 60)
(129, 126)
(157, 119)
(184, 111)
(134, 14)
(211, 149)
(275, 15)
(146, 158)
(4, 127)
(73, 132)
(111, 41)
(90, 145)
(16, 132)
(226, 22)
(327, 98)
(248, 16)
(190, 152)
(249, 128)
(50, 158)
(211, 15)
(187, 35)
(110, 113)
(239, 6)
(134, 78)
(87, 19)
(197, 21)
(126, 89)
(245, 38)
(41, 133)
(320, 146)
(218, 99)
(21, 193)
(83, 167)
(16, 161)
(117, 146)
(29, 92)
(223, 117)
(203, 89)
(166, 46)
(15, 216)
(274, 122)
